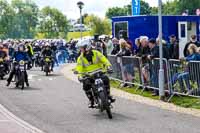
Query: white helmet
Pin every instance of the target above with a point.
(86, 43)
(47, 44)
(37, 44)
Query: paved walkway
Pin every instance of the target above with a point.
(9, 123)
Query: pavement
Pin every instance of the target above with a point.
(56, 104)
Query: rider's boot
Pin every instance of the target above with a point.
(8, 83)
(27, 84)
(112, 100)
(90, 97)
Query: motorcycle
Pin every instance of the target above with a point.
(20, 68)
(98, 90)
(47, 65)
(2, 69)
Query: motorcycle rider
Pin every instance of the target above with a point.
(19, 55)
(91, 60)
(4, 56)
(30, 53)
(37, 50)
(47, 52)
(11, 50)
(54, 49)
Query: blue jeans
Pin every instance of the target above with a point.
(181, 77)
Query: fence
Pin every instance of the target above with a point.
(185, 77)
(181, 78)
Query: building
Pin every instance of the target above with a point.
(134, 26)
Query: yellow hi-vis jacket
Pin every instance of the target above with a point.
(30, 48)
(99, 62)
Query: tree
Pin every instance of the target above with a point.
(53, 24)
(98, 25)
(6, 18)
(154, 11)
(25, 18)
(170, 8)
(145, 9)
(190, 5)
(116, 11)
(127, 10)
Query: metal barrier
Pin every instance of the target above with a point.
(152, 67)
(181, 78)
(184, 78)
(115, 61)
(131, 70)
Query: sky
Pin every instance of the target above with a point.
(97, 7)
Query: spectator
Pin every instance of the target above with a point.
(104, 47)
(154, 49)
(193, 53)
(173, 47)
(165, 48)
(186, 74)
(143, 49)
(116, 46)
(138, 44)
(153, 71)
(198, 12)
(128, 67)
(125, 48)
(108, 44)
(193, 40)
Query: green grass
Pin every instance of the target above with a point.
(76, 35)
(182, 101)
(133, 90)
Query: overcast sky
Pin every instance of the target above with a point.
(98, 7)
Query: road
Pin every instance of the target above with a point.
(57, 105)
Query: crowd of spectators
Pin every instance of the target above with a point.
(148, 49)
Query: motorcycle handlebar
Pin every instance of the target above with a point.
(109, 71)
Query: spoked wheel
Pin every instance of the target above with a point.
(16, 80)
(47, 73)
(104, 104)
(22, 80)
(46, 69)
(109, 113)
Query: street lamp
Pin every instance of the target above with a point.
(161, 71)
(80, 5)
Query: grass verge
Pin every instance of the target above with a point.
(182, 101)
(76, 35)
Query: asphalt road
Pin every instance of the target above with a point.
(57, 105)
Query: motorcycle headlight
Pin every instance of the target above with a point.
(1, 59)
(21, 63)
(47, 60)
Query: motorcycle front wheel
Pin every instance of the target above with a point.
(104, 104)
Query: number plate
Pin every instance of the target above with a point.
(100, 89)
(21, 67)
(98, 81)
